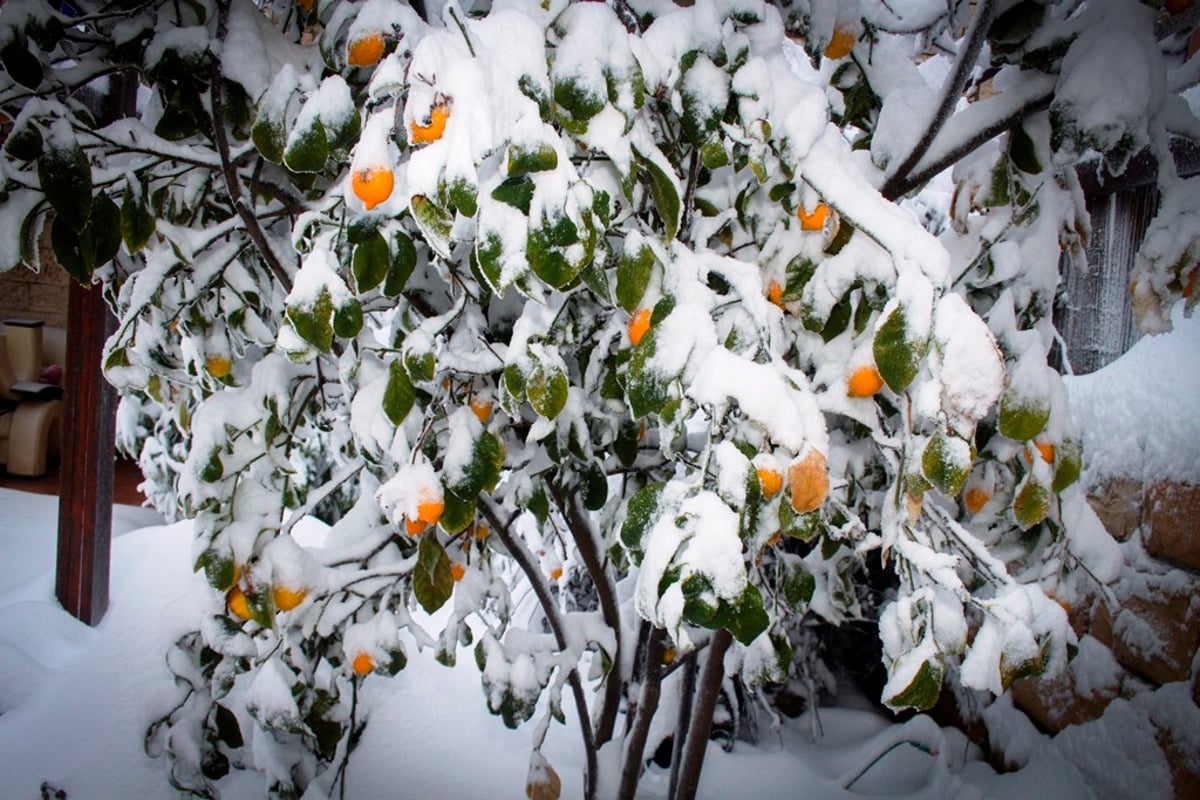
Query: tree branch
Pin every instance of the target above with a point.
(524, 559)
(232, 181)
(588, 545)
(898, 189)
(951, 92)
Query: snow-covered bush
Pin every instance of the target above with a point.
(614, 308)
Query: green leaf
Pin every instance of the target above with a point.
(633, 276)
(647, 387)
(665, 193)
(307, 148)
(516, 192)
(21, 65)
(399, 395)
(435, 224)
(24, 143)
(420, 365)
(433, 579)
(550, 247)
(404, 261)
(897, 356)
(1022, 151)
(546, 389)
(798, 585)
(922, 691)
(482, 472)
(137, 223)
(1022, 417)
(66, 178)
(464, 197)
(228, 730)
(219, 569)
(749, 618)
(713, 154)
(312, 324)
(459, 512)
(1011, 672)
(371, 261)
(523, 160)
(1031, 503)
(348, 319)
(576, 104)
(1070, 463)
(269, 132)
(641, 514)
(594, 486)
(946, 462)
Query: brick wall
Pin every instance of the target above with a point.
(25, 294)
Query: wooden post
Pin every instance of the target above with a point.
(86, 479)
(85, 492)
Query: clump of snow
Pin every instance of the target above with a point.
(1138, 416)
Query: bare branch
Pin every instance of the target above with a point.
(951, 92)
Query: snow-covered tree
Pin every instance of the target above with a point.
(624, 336)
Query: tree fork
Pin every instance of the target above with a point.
(589, 550)
(706, 703)
(524, 560)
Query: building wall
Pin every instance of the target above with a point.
(25, 294)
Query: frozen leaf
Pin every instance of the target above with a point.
(1031, 503)
(399, 396)
(946, 462)
(371, 261)
(435, 224)
(898, 350)
(546, 388)
(66, 176)
(922, 690)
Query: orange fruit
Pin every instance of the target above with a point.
(639, 325)
(814, 221)
(218, 366)
(809, 480)
(482, 409)
(457, 570)
(415, 527)
(668, 655)
(373, 185)
(775, 293)
(776, 539)
(238, 603)
(556, 573)
(365, 51)
(481, 532)
(1047, 451)
(431, 510)
(286, 599)
(363, 663)
(976, 498)
(864, 381)
(771, 481)
(841, 43)
(424, 134)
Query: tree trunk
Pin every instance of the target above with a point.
(706, 702)
(647, 704)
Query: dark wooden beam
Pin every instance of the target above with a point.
(86, 481)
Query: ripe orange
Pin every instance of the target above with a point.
(423, 134)
(975, 498)
(841, 43)
(373, 185)
(776, 539)
(1046, 449)
(775, 293)
(482, 409)
(430, 510)
(365, 51)
(481, 532)
(864, 381)
(771, 481)
(363, 664)
(415, 527)
(218, 366)
(814, 221)
(809, 479)
(639, 325)
(238, 603)
(457, 570)
(556, 573)
(286, 599)
(668, 656)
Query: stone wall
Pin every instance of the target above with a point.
(25, 294)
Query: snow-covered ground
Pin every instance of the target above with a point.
(75, 701)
